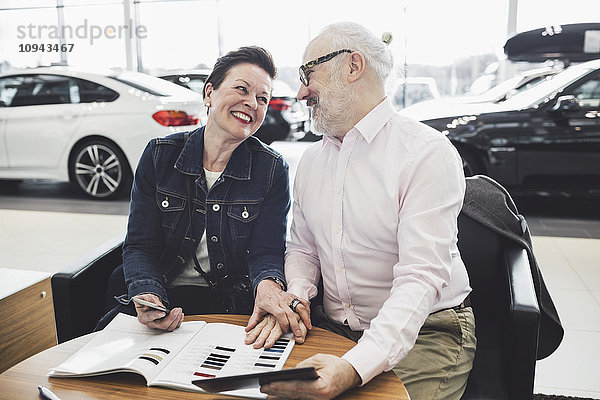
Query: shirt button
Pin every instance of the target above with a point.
(220, 266)
(347, 305)
(339, 191)
(216, 207)
(337, 231)
(214, 239)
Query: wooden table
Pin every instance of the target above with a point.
(22, 380)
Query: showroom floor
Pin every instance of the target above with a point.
(45, 227)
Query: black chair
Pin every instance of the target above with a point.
(507, 315)
(503, 298)
(79, 290)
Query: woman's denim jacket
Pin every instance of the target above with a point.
(244, 213)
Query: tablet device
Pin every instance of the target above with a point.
(234, 382)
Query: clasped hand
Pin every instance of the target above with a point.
(272, 316)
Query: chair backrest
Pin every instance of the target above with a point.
(79, 290)
(506, 311)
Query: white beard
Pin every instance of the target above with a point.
(335, 103)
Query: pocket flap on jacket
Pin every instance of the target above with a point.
(244, 213)
(168, 202)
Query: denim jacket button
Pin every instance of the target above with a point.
(216, 207)
(245, 214)
(214, 239)
(165, 202)
(220, 266)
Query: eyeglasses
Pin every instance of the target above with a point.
(304, 68)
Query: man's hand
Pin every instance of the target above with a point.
(270, 299)
(336, 375)
(267, 331)
(158, 319)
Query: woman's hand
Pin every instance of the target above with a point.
(268, 330)
(157, 319)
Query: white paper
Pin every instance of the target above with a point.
(194, 351)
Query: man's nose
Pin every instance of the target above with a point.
(303, 92)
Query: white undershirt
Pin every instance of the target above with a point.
(189, 276)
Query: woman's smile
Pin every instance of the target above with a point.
(242, 117)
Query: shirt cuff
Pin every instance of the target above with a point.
(301, 289)
(367, 359)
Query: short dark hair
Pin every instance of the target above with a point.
(248, 54)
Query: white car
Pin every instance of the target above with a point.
(87, 127)
(484, 101)
(511, 86)
(412, 90)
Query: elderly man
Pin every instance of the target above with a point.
(375, 217)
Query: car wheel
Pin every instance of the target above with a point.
(471, 165)
(99, 169)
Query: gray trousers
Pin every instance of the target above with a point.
(438, 365)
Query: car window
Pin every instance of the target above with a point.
(547, 89)
(150, 84)
(196, 84)
(8, 88)
(90, 92)
(588, 94)
(30, 90)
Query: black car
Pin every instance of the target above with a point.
(545, 139)
(285, 115)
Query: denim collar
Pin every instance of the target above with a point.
(191, 156)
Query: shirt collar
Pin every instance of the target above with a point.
(370, 124)
(374, 121)
(190, 160)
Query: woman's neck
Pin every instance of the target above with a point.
(217, 151)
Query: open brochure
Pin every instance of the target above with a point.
(195, 350)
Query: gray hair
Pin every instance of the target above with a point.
(353, 36)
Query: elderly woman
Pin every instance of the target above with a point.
(207, 219)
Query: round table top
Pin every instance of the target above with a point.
(22, 380)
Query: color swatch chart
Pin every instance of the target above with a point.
(216, 358)
(219, 350)
(154, 355)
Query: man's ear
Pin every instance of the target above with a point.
(357, 66)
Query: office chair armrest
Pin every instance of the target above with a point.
(522, 325)
(79, 289)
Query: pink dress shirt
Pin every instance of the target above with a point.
(376, 215)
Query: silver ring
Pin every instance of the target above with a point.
(294, 303)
